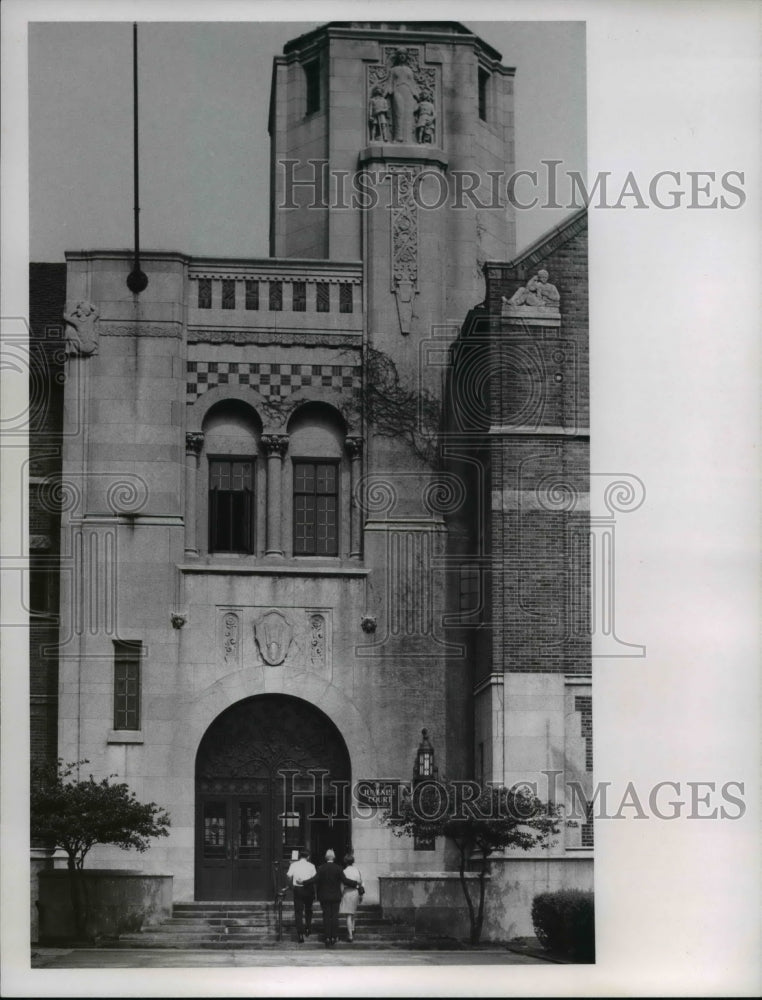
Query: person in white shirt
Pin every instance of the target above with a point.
(298, 873)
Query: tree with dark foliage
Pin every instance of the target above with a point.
(478, 820)
(74, 814)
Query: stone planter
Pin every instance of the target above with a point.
(431, 903)
(117, 902)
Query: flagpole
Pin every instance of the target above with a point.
(136, 280)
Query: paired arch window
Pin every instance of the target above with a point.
(263, 493)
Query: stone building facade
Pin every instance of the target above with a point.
(289, 545)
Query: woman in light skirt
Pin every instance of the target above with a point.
(351, 897)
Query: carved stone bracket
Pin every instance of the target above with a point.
(275, 444)
(354, 447)
(194, 442)
(368, 623)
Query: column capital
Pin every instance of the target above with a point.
(275, 444)
(354, 446)
(194, 442)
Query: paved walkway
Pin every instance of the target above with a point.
(145, 958)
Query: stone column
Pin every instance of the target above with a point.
(354, 450)
(194, 442)
(275, 446)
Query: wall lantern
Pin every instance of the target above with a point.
(424, 759)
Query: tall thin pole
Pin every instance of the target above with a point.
(136, 280)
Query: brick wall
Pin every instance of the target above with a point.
(532, 385)
(563, 254)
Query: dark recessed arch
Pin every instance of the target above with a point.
(272, 773)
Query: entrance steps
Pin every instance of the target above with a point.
(254, 925)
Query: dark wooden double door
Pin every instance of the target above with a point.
(255, 768)
(235, 846)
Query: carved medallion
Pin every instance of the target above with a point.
(274, 634)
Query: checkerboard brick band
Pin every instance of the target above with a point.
(269, 379)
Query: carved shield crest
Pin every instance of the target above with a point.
(274, 634)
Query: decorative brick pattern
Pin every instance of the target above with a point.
(269, 379)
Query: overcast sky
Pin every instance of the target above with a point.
(204, 96)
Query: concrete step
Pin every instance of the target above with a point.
(253, 925)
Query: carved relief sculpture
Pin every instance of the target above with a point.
(425, 119)
(404, 211)
(402, 98)
(230, 629)
(82, 333)
(538, 293)
(317, 641)
(194, 442)
(274, 634)
(378, 115)
(403, 91)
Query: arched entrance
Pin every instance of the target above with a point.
(272, 774)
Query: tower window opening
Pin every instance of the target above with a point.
(312, 80)
(483, 85)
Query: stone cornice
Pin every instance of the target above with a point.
(271, 569)
(285, 338)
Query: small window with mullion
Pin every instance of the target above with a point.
(231, 505)
(316, 508)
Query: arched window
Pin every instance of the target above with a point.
(231, 445)
(319, 490)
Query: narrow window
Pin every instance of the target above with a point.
(316, 509)
(42, 596)
(252, 295)
(231, 507)
(470, 600)
(205, 293)
(299, 296)
(276, 296)
(483, 83)
(312, 81)
(323, 295)
(228, 293)
(345, 297)
(127, 684)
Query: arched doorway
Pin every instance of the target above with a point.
(272, 774)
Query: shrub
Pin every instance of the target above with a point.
(564, 922)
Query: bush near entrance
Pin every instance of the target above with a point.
(564, 923)
(74, 815)
(492, 818)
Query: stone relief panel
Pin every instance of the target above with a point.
(230, 636)
(317, 641)
(274, 633)
(404, 243)
(298, 639)
(402, 98)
